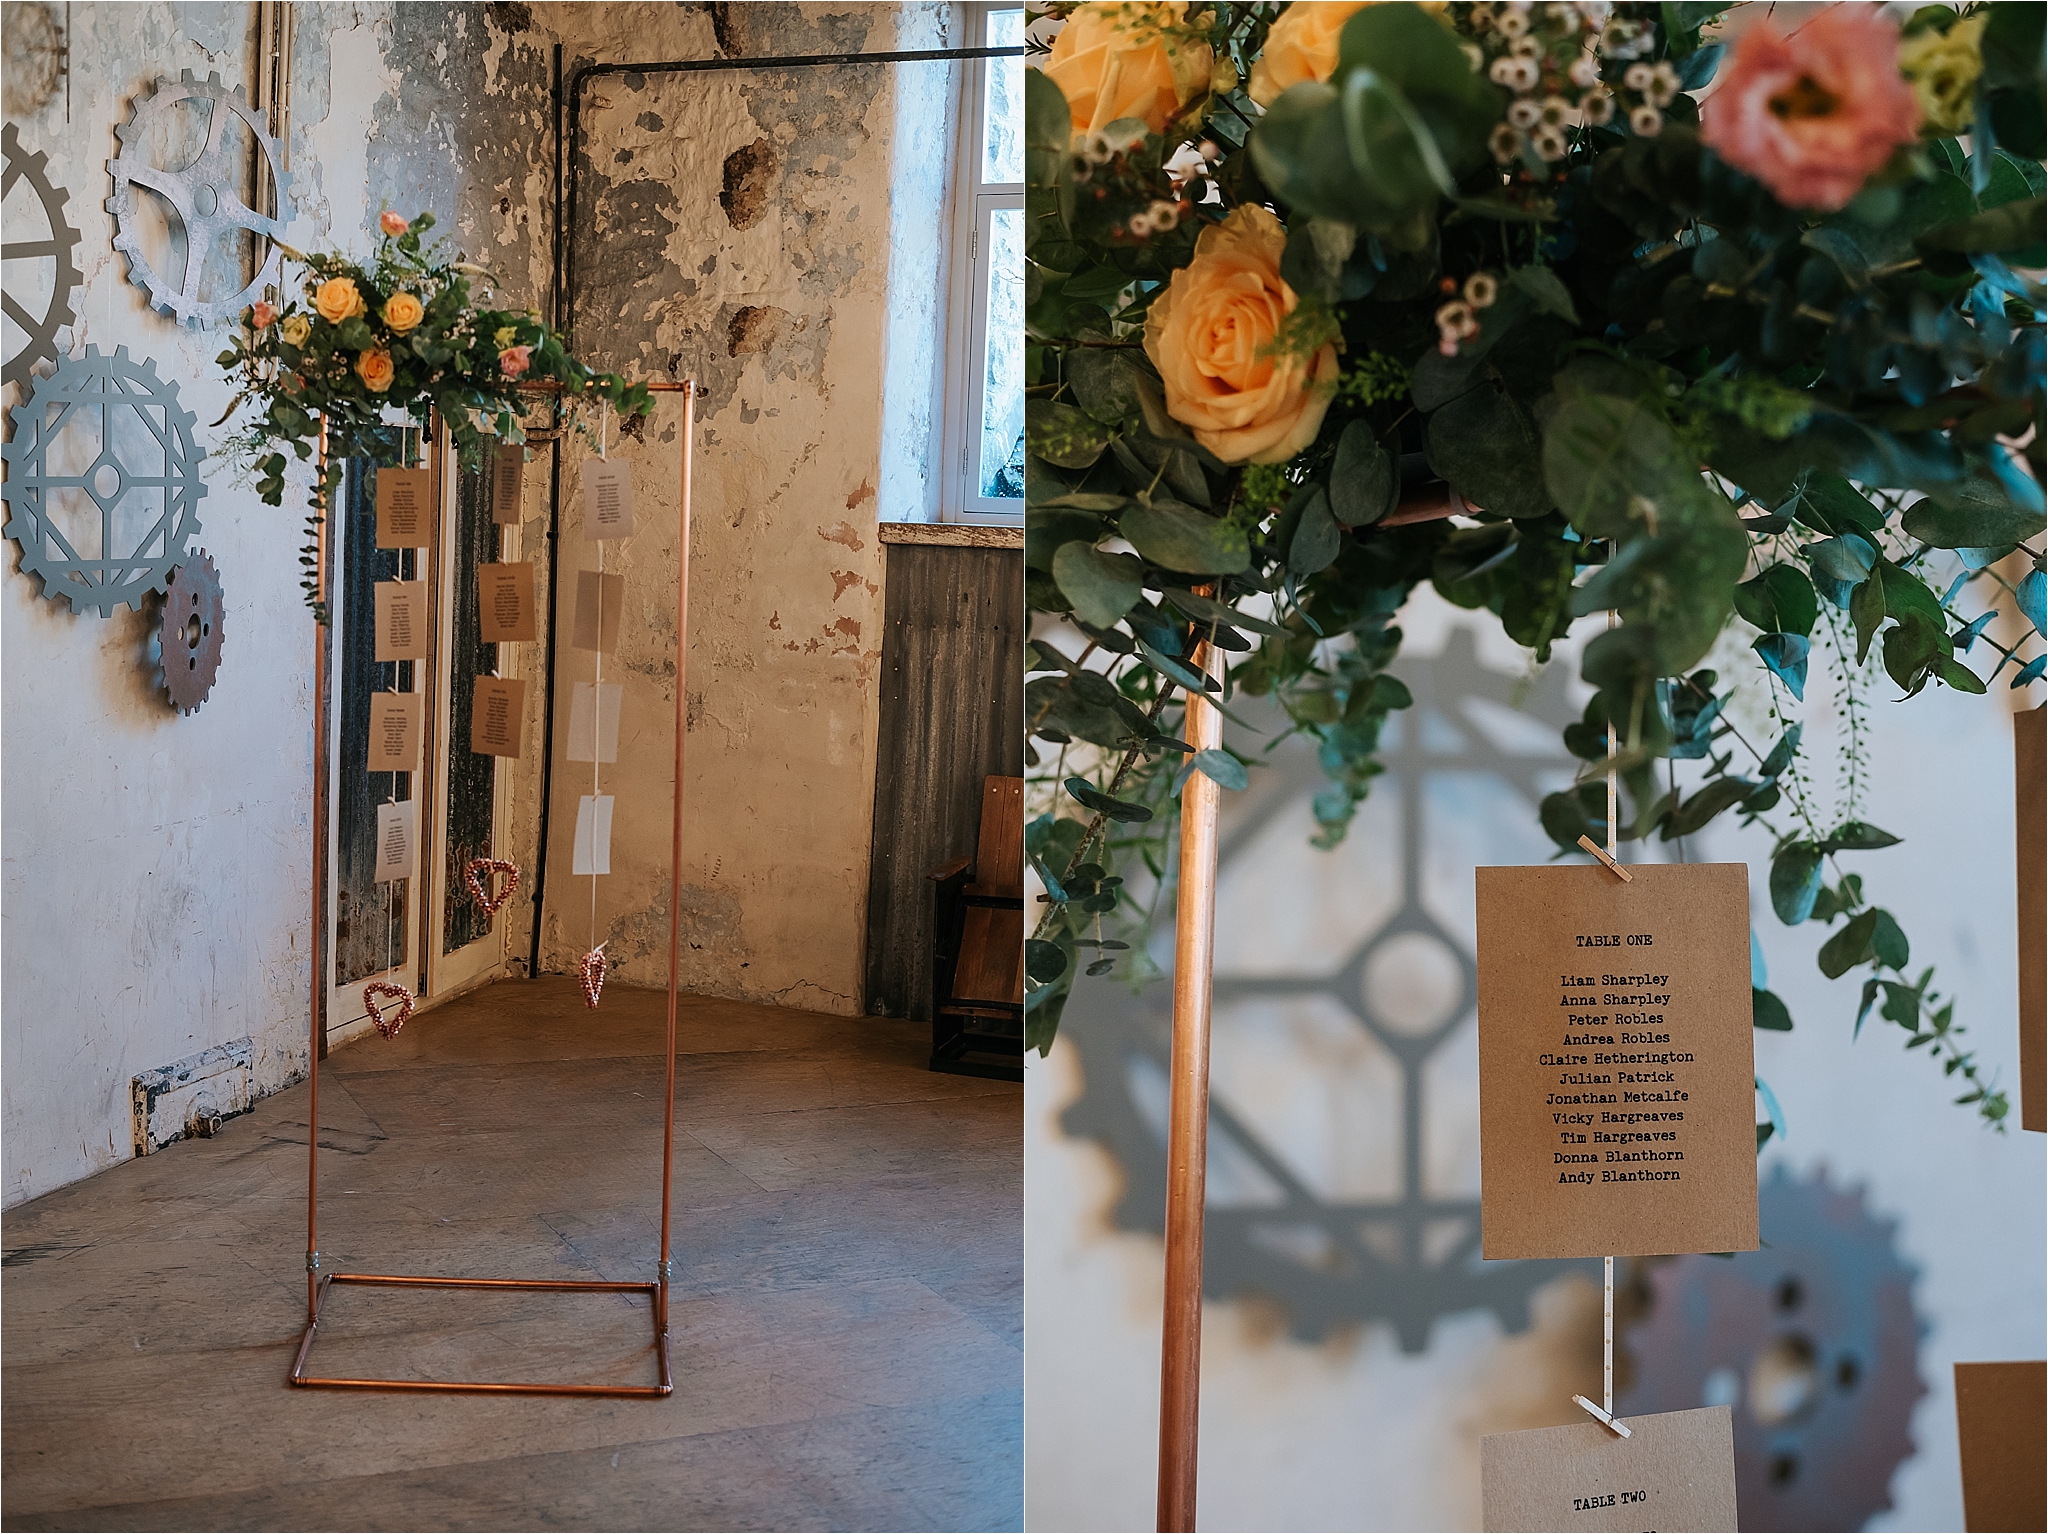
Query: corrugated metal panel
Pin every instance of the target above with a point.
(952, 713)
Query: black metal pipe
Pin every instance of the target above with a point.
(562, 315)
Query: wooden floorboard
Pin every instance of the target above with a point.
(846, 1311)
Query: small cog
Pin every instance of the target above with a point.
(189, 635)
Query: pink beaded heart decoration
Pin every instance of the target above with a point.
(593, 976)
(397, 993)
(481, 869)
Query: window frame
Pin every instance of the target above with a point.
(975, 203)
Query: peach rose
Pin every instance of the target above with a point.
(1127, 58)
(392, 224)
(337, 300)
(1302, 45)
(375, 369)
(402, 311)
(1812, 114)
(261, 314)
(1215, 335)
(513, 360)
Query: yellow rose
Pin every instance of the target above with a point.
(1944, 68)
(402, 311)
(1128, 58)
(296, 328)
(337, 300)
(1215, 336)
(1302, 45)
(375, 370)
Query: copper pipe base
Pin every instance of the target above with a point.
(657, 1298)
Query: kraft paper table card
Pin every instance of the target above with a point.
(402, 508)
(395, 824)
(1675, 1471)
(508, 483)
(2030, 781)
(598, 601)
(593, 850)
(607, 499)
(401, 620)
(594, 722)
(1616, 1061)
(505, 600)
(2002, 1428)
(497, 716)
(395, 720)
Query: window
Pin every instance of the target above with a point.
(982, 478)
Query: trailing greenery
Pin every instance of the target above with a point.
(1648, 387)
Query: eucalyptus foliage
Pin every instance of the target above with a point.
(1683, 404)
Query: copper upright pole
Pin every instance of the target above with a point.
(315, 994)
(1187, 1138)
(675, 878)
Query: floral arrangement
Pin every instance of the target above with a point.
(1664, 316)
(399, 334)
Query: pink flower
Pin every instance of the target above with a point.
(261, 314)
(392, 224)
(1813, 114)
(512, 361)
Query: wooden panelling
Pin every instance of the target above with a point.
(952, 713)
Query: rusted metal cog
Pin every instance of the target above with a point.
(188, 641)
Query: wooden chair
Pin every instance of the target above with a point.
(978, 945)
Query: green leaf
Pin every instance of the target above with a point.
(1181, 538)
(1044, 962)
(1779, 601)
(1976, 516)
(1364, 484)
(1957, 675)
(1849, 947)
(1846, 558)
(1547, 290)
(1199, 608)
(1116, 809)
(1855, 836)
(1221, 766)
(1694, 813)
(1316, 539)
(1600, 452)
(1782, 753)
(2010, 226)
(1487, 446)
(1795, 881)
(1866, 610)
(1062, 434)
(1102, 587)
(1888, 942)
(1786, 655)
(1767, 1011)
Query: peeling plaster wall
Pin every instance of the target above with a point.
(736, 227)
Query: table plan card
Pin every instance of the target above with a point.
(1675, 1471)
(395, 720)
(2002, 1429)
(401, 620)
(1616, 1061)
(403, 497)
(395, 825)
(508, 483)
(607, 499)
(497, 716)
(505, 600)
(594, 722)
(598, 600)
(593, 852)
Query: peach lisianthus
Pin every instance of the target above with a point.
(514, 360)
(1302, 45)
(1128, 58)
(392, 224)
(375, 369)
(338, 300)
(261, 314)
(1217, 336)
(403, 311)
(1812, 114)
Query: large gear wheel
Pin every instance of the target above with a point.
(203, 193)
(189, 637)
(1812, 1341)
(102, 434)
(39, 333)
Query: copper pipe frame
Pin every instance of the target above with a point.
(1187, 1140)
(317, 1282)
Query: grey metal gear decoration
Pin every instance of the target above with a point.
(1812, 1342)
(40, 331)
(103, 447)
(203, 195)
(1413, 1256)
(189, 634)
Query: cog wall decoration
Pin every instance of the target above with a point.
(1813, 1343)
(189, 637)
(203, 193)
(35, 58)
(39, 332)
(103, 483)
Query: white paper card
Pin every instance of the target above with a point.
(401, 620)
(394, 841)
(593, 835)
(607, 499)
(594, 722)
